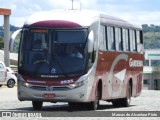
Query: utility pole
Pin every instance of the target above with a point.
(6, 13)
(80, 7)
(72, 4)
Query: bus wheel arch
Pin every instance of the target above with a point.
(99, 87)
(131, 84)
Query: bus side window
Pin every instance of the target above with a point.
(132, 40)
(118, 39)
(138, 36)
(125, 39)
(102, 38)
(110, 38)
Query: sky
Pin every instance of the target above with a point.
(135, 11)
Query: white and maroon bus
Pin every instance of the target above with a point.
(108, 65)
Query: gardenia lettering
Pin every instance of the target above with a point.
(135, 63)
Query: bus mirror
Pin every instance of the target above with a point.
(90, 41)
(140, 48)
(12, 39)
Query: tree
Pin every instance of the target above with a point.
(1, 43)
(144, 25)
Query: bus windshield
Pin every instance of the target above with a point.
(53, 52)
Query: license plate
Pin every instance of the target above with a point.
(49, 95)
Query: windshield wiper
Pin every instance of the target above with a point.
(57, 60)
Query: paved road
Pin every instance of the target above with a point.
(148, 101)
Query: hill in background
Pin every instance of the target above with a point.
(12, 29)
(151, 36)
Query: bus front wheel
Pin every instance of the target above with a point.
(37, 105)
(95, 104)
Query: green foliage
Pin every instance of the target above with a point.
(152, 28)
(151, 36)
(1, 43)
(16, 44)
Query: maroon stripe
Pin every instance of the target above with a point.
(56, 24)
(47, 81)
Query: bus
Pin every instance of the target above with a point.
(109, 66)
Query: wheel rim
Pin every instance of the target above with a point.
(10, 83)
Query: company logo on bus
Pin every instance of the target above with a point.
(49, 88)
(135, 63)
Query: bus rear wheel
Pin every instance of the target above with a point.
(37, 105)
(126, 101)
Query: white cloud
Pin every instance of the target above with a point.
(88, 3)
(18, 21)
(37, 7)
(149, 17)
(60, 4)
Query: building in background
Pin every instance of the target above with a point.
(13, 58)
(151, 70)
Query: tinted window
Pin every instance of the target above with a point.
(50, 52)
(110, 38)
(125, 39)
(132, 40)
(102, 38)
(118, 39)
(138, 36)
(65, 36)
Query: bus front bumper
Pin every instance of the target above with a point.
(79, 94)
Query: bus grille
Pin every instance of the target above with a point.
(49, 88)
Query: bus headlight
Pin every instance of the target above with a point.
(77, 84)
(26, 84)
(23, 83)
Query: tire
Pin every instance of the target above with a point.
(95, 104)
(10, 83)
(125, 102)
(0, 85)
(37, 105)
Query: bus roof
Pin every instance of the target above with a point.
(83, 18)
